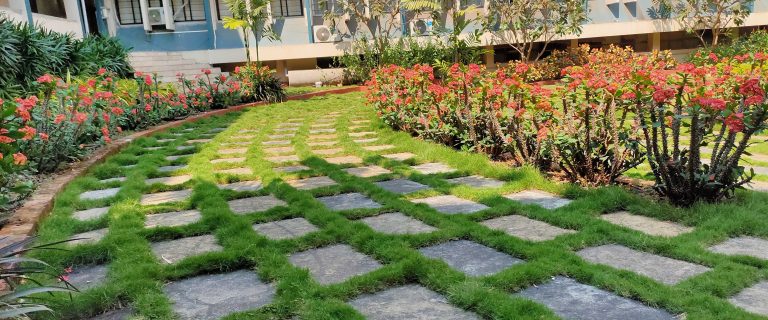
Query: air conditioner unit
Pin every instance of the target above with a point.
(156, 16)
(421, 27)
(324, 34)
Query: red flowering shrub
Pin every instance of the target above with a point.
(258, 83)
(12, 129)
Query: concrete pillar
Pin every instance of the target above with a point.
(488, 59)
(654, 41)
(574, 43)
(281, 70)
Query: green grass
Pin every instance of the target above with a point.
(136, 278)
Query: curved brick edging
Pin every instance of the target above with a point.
(23, 222)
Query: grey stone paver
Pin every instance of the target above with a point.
(322, 125)
(360, 121)
(88, 237)
(164, 197)
(242, 137)
(646, 224)
(285, 229)
(281, 136)
(322, 136)
(349, 201)
(152, 148)
(172, 219)
(90, 214)
(367, 172)
(361, 134)
(216, 130)
(255, 204)
(87, 277)
(477, 182)
(753, 299)
(241, 186)
(110, 180)
(469, 257)
(402, 156)
(328, 151)
(759, 186)
(235, 171)
(433, 168)
(247, 130)
(292, 168)
(228, 160)
(119, 314)
(369, 140)
(540, 198)
(184, 148)
(236, 143)
(744, 246)
(665, 270)
(172, 251)
(276, 142)
(311, 183)
(449, 204)
(401, 186)
(171, 168)
(526, 228)
(322, 143)
(334, 264)
(171, 181)
(409, 302)
(279, 150)
(280, 159)
(194, 141)
(397, 223)
(316, 131)
(99, 194)
(165, 140)
(233, 151)
(572, 300)
(174, 158)
(344, 160)
(287, 129)
(379, 147)
(211, 297)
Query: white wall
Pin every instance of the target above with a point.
(16, 11)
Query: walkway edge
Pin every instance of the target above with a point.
(23, 222)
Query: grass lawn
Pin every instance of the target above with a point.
(137, 278)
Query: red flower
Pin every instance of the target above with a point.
(59, 118)
(101, 71)
(6, 139)
(148, 80)
(80, 117)
(735, 122)
(19, 159)
(28, 132)
(206, 71)
(46, 78)
(663, 95)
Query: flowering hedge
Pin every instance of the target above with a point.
(603, 118)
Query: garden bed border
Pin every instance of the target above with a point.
(23, 222)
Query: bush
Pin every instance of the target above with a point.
(13, 121)
(756, 41)
(258, 84)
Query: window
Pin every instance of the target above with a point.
(321, 7)
(129, 11)
(287, 8)
(188, 10)
(53, 8)
(222, 10)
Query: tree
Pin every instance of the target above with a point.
(250, 16)
(377, 19)
(699, 16)
(524, 24)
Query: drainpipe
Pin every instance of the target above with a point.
(209, 23)
(83, 18)
(28, 9)
(308, 12)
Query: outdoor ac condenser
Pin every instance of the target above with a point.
(323, 34)
(421, 27)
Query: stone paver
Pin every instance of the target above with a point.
(526, 228)
(185, 148)
(409, 302)
(285, 229)
(322, 125)
(165, 140)
(540, 198)
(645, 224)
(119, 314)
(164, 197)
(477, 182)
(449, 204)
(665, 270)
(287, 129)
(288, 169)
(344, 160)
(88, 237)
(572, 300)
(171, 168)
(242, 186)
(349, 201)
(280, 159)
(758, 186)
(110, 180)
(247, 130)
(279, 150)
(743, 246)
(87, 277)
(242, 137)
(195, 141)
(334, 264)
(233, 151)
(312, 183)
(322, 143)
(152, 148)
(280, 136)
(397, 223)
(174, 158)
(171, 181)
(328, 151)
(402, 156)
(236, 143)
(172, 251)
(99, 194)
(361, 134)
(172, 219)
(369, 140)
(401, 186)
(753, 299)
(322, 136)
(379, 148)
(469, 257)
(367, 172)
(276, 142)
(211, 297)
(255, 204)
(90, 214)
(228, 160)
(316, 131)
(235, 171)
(433, 168)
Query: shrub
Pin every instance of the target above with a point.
(12, 123)
(756, 41)
(258, 84)
(218, 93)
